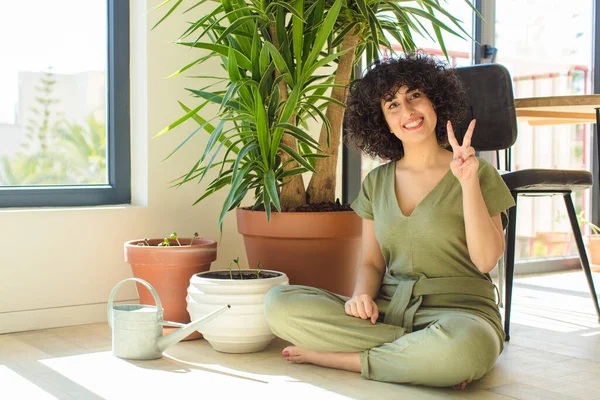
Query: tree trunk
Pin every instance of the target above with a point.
(322, 184)
(293, 193)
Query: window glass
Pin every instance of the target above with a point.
(546, 61)
(53, 98)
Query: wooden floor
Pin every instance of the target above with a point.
(554, 353)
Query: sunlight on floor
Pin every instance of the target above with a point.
(551, 306)
(591, 334)
(263, 378)
(117, 376)
(182, 378)
(17, 387)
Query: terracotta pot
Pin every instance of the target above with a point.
(168, 270)
(319, 249)
(557, 243)
(593, 249)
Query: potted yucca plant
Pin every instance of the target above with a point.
(285, 64)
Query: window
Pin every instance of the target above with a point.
(64, 107)
(545, 62)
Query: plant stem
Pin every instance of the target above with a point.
(321, 187)
(239, 268)
(293, 193)
(196, 236)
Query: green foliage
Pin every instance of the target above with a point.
(174, 237)
(230, 268)
(77, 156)
(271, 53)
(56, 151)
(39, 131)
(236, 261)
(578, 153)
(582, 221)
(165, 243)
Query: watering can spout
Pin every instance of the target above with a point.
(178, 335)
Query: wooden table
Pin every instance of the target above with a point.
(555, 110)
(559, 109)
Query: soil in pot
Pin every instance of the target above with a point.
(317, 207)
(239, 276)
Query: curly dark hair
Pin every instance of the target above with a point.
(365, 126)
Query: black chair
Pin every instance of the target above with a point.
(490, 94)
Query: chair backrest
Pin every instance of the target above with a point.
(490, 97)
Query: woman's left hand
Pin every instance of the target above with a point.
(464, 164)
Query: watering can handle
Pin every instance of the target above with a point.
(143, 282)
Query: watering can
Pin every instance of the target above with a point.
(137, 328)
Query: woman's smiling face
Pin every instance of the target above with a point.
(410, 115)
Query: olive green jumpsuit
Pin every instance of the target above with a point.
(439, 322)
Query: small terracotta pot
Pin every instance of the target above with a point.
(168, 270)
(593, 249)
(557, 243)
(319, 249)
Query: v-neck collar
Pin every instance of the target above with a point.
(395, 197)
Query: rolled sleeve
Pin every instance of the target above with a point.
(496, 194)
(363, 205)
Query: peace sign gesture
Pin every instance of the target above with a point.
(464, 164)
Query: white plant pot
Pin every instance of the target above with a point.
(243, 328)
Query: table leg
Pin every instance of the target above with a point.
(597, 133)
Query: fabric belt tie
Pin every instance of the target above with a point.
(408, 295)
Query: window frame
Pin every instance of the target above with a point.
(118, 189)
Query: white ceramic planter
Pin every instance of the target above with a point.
(243, 328)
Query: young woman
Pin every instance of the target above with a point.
(424, 307)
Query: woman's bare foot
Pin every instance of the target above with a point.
(462, 385)
(297, 355)
(345, 361)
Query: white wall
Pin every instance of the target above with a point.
(58, 266)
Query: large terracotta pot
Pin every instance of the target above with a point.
(319, 249)
(168, 270)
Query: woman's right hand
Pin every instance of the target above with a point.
(362, 306)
